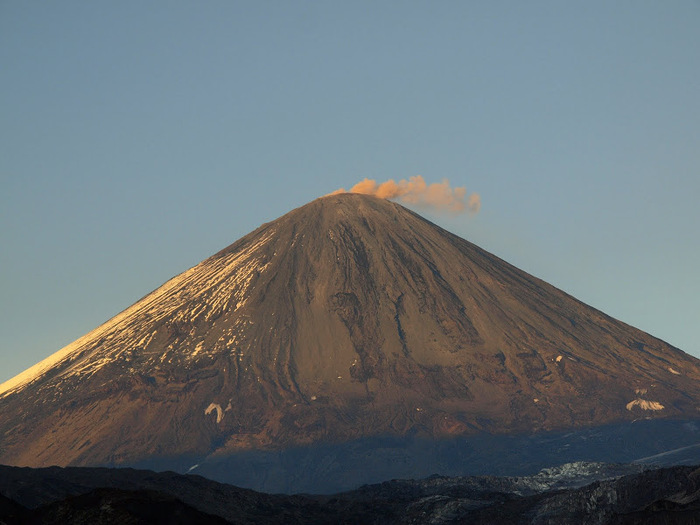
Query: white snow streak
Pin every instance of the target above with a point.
(218, 283)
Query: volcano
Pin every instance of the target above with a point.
(347, 318)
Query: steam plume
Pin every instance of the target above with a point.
(438, 195)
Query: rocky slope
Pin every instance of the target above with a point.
(348, 318)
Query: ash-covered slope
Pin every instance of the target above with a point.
(346, 318)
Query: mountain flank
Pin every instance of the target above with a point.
(348, 318)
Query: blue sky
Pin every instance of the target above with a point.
(137, 138)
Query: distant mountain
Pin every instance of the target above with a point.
(347, 320)
(580, 493)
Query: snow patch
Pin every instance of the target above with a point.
(219, 412)
(674, 372)
(644, 404)
(198, 348)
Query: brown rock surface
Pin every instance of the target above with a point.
(348, 317)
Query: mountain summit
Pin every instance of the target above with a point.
(348, 317)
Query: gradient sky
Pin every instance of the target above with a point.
(138, 138)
